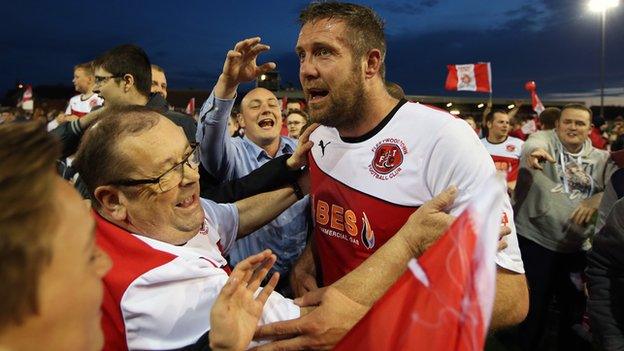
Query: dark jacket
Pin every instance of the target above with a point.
(270, 176)
(605, 274)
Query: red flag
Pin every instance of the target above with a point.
(470, 77)
(531, 87)
(444, 300)
(190, 107)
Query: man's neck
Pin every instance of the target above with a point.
(377, 104)
(137, 99)
(87, 94)
(573, 149)
(496, 139)
(270, 148)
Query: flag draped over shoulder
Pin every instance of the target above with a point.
(470, 77)
(444, 300)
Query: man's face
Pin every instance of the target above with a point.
(159, 83)
(499, 126)
(262, 116)
(110, 89)
(573, 128)
(295, 122)
(82, 81)
(70, 288)
(173, 216)
(331, 77)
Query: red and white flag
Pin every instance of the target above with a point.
(531, 87)
(26, 102)
(470, 77)
(190, 107)
(444, 300)
(538, 107)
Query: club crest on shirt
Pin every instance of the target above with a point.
(388, 156)
(511, 147)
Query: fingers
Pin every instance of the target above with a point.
(312, 298)
(260, 272)
(246, 44)
(268, 289)
(502, 244)
(443, 200)
(306, 135)
(281, 329)
(264, 68)
(298, 343)
(309, 283)
(534, 163)
(504, 231)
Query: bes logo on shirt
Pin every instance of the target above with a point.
(387, 158)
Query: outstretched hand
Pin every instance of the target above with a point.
(240, 66)
(235, 314)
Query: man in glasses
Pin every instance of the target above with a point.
(168, 245)
(123, 78)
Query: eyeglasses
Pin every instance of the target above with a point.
(172, 177)
(100, 79)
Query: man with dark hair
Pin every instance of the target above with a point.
(159, 81)
(373, 156)
(549, 117)
(555, 204)
(504, 149)
(123, 78)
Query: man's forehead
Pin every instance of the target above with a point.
(321, 29)
(259, 94)
(576, 114)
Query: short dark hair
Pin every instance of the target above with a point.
(575, 106)
(99, 161)
(364, 26)
(490, 116)
(300, 113)
(549, 116)
(128, 59)
(87, 67)
(27, 216)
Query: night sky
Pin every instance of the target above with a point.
(554, 42)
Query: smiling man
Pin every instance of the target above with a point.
(230, 158)
(555, 203)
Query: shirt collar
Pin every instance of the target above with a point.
(259, 152)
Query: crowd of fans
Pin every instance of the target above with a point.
(169, 203)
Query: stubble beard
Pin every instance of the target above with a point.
(345, 107)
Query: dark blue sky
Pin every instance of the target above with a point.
(554, 42)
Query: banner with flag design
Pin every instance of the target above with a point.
(444, 300)
(469, 77)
